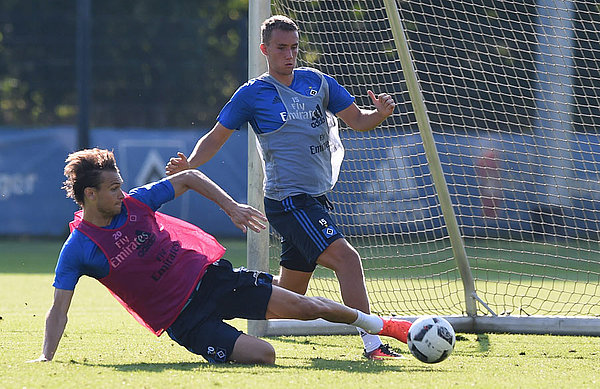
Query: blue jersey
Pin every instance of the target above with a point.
(80, 255)
(257, 102)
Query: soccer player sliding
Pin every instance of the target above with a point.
(169, 274)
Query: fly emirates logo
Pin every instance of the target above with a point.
(300, 112)
(142, 243)
(126, 247)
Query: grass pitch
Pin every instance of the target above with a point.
(104, 347)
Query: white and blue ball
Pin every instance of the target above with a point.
(431, 339)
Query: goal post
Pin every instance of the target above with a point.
(478, 199)
(257, 246)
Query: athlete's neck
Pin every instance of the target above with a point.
(285, 79)
(96, 218)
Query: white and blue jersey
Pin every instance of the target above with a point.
(296, 129)
(258, 103)
(80, 255)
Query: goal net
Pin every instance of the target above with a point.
(509, 90)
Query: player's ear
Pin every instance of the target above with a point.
(263, 48)
(90, 192)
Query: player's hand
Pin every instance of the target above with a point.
(41, 358)
(383, 102)
(177, 164)
(245, 216)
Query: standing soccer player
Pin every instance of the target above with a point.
(169, 274)
(292, 113)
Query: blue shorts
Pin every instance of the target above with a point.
(223, 293)
(305, 227)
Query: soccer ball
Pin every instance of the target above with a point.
(431, 339)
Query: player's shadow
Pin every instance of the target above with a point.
(287, 361)
(143, 366)
(368, 367)
(160, 367)
(373, 367)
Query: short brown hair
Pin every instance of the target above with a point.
(83, 170)
(276, 22)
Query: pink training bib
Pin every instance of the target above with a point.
(155, 262)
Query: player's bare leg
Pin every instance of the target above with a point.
(285, 304)
(251, 350)
(345, 261)
(294, 280)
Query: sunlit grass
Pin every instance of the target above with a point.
(104, 347)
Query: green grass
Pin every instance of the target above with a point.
(104, 347)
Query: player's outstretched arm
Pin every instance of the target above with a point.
(242, 215)
(56, 321)
(205, 149)
(364, 120)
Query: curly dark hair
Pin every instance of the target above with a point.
(83, 170)
(277, 22)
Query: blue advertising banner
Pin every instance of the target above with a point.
(494, 189)
(31, 175)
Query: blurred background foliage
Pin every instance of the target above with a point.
(155, 63)
(159, 64)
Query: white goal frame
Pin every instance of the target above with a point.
(471, 321)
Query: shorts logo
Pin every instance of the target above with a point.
(221, 355)
(329, 232)
(218, 355)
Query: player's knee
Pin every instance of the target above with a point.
(253, 351)
(266, 356)
(261, 354)
(348, 264)
(341, 258)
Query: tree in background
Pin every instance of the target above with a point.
(154, 63)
